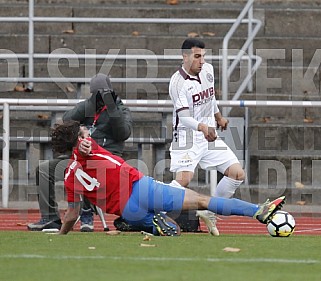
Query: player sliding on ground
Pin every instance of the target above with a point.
(117, 188)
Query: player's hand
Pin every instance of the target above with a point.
(110, 100)
(222, 123)
(209, 132)
(85, 147)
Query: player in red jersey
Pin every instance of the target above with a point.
(117, 188)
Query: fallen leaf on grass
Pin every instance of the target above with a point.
(232, 250)
(92, 248)
(147, 238)
(147, 245)
(113, 232)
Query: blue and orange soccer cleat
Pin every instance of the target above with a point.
(267, 209)
(165, 226)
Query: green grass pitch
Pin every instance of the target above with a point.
(97, 256)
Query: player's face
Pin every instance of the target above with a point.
(194, 61)
(84, 132)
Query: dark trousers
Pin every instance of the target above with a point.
(47, 174)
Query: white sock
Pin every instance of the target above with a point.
(226, 187)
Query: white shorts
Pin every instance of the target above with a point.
(208, 154)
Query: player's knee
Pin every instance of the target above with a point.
(202, 201)
(183, 182)
(235, 172)
(240, 175)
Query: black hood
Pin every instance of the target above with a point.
(100, 86)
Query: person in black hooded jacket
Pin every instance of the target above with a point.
(109, 123)
(108, 120)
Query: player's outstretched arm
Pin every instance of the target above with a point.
(70, 218)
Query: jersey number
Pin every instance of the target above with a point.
(87, 181)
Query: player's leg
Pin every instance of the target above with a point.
(228, 207)
(184, 162)
(143, 211)
(170, 198)
(47, 174)
(86, 217)
(234, 176)
(220, 156)
(185, 173)
(225, 161)
(183, 178)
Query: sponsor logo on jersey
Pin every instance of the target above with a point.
(203, 97)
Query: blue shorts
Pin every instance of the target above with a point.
(149, 197)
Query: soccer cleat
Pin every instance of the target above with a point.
(44, 224)
(209, 219)
(87, 221)
(268, 209)
(122, 225)
(165, 226)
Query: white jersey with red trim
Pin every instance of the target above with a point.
(195, 93)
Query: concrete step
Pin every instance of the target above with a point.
(284, 138)
(300, 82)
(309, 196)
(162, 11)
(21, 10)
(280, 22)
(277, 21)
(286, 50)
(161, 2)
(278, 51)
(285, 114)
(277, 168)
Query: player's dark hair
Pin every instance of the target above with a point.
(189, 43)
(64, 136)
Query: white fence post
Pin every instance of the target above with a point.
(5, 155)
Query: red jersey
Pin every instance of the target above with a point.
(105, 179)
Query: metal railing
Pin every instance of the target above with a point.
(245, 53)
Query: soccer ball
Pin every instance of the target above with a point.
(281, 225)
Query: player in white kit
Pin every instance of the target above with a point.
(195, 117)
